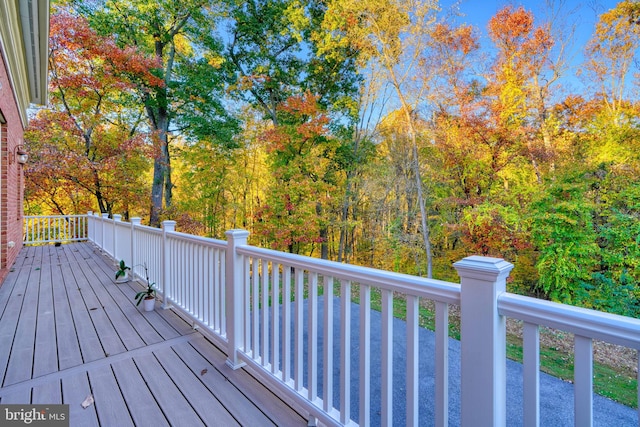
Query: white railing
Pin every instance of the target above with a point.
(306, 328)
(274, 339)
(195, 277)
(586, 325)
(57, 228)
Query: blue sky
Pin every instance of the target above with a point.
(579, 13)
(582, 12)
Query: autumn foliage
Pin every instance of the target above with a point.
(382, 133)
(301, 153)
(88, 142)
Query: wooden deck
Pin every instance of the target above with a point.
(68, 331)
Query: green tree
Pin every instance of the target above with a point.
(564, 234)
(273, 47)
(391, 35)
(301, 153)
(178, 35)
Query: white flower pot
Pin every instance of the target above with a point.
(122, 279)
(148, 304)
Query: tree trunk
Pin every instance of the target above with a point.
(416, 167)
(324, 234)
(161, 185)
(423, 213)
(168, 183)
(344, 216)
(157, 187)
(159, 119)
(420, 195)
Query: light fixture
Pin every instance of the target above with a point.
(20, 154)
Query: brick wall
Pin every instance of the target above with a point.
(11, 175)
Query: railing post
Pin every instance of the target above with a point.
(167, 226)
(482, 341)
(135, 221)
(104, 231)
(25, 229)
(84, 225)
(91, 229)
(234, 292)
(116, 254)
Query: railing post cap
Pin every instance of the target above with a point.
(483, 267)
(117, 217)
(237, 232)
(105, 215)
(89, 212)
(169, 225)
(136, 220)
(237, 237)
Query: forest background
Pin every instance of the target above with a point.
(375, 132)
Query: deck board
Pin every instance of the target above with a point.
(107, 334)
(90, 346)
(75, 389)
(45, 358)
(127, 318)
(229, 396)
(168, 329)
(126, 332)
(18, 396)
(4, 296)
(20, 365)
(84, 336)
(199, 397)
(176, 407)
(145, 410)
(69, 353)
(47, 394)
(110, 406)
(274, 409)
(34, 257)
(10, 316)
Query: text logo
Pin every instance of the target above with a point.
(34, 415)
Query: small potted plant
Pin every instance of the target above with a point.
(122, 274)
(148, 295)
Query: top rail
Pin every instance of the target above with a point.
(207, 241)
(584, 322)
(436, 290)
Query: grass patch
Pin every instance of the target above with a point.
(621, 387)
(617, 385)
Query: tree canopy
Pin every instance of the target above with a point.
(382, 133)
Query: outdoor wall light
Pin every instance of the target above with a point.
(20, 155)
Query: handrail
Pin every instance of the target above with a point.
(197, 239)
(432, 289)
(612, 328)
